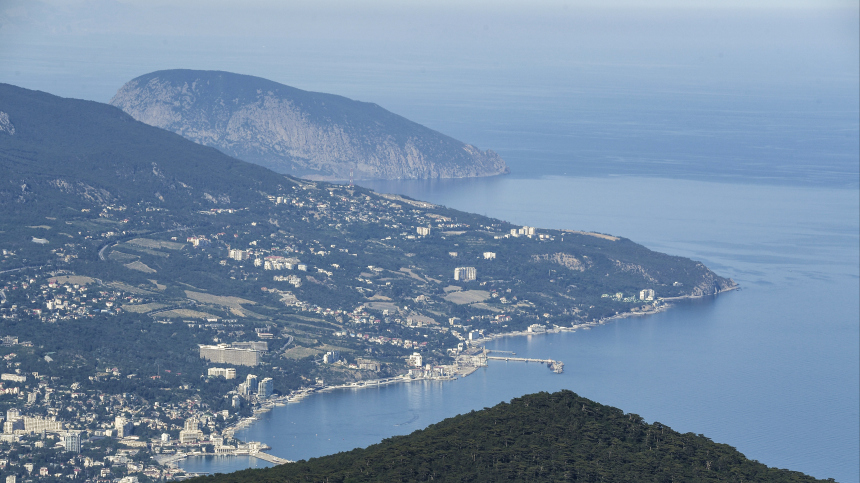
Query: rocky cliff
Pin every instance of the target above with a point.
(310, 134)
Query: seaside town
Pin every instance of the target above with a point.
(135, 336)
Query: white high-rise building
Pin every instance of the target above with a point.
(415, 360)
(72, 442)
(465, 274)
(123, 427)
(251, 382)
(265, 387)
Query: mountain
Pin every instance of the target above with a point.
(67, 154)
(309, 134)
(538, 437)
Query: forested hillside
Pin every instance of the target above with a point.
(539, 437)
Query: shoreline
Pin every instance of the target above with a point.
(461, 372)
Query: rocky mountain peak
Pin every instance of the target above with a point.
(309, 134)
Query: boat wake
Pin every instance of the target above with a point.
(414, 418)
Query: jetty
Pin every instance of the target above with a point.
(555, 366)
(270, 458)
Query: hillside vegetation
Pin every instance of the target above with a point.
(540, 437)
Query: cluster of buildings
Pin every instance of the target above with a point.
(54, 301)
(37, 431)
(646, 295)
(277, 262)
(331, 357)
(252, 387)
(198, 241)
(524, 231)
(290, 279)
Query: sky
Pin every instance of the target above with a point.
(88, 49)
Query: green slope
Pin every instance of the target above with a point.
(538, 437)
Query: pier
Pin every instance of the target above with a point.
(555, 366)
(270, 458)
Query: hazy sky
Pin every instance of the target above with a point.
(88, 49)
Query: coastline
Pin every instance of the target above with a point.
(459, 372)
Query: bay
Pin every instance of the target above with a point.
(771, 369)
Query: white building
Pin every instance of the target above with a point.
(423, 230)
(646, 294)
(191, 433)
(526, 230)
(239, 255)
(265, 387)
(72, 442)
(225, 372)
(251, 382)
(123, 427)
(415, 360)
(38, 425)
(465, 274)
(224, 354)
(489, 255)
(331, 357)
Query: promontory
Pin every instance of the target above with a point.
(310, 134)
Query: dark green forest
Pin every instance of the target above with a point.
(539, 437)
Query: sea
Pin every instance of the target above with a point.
(771, 369)
(728, 136)
(759, 189)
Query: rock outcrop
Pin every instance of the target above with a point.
(309, 134)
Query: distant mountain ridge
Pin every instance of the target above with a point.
(309, 134)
